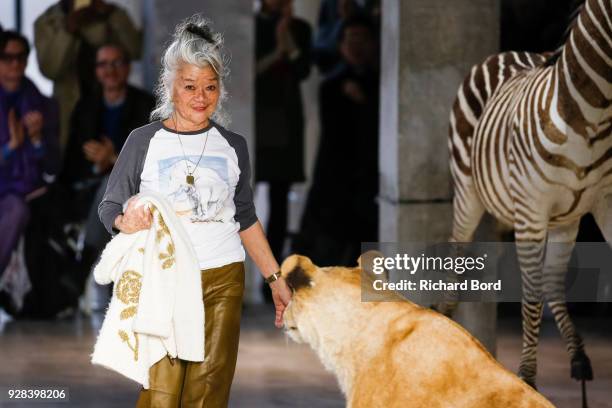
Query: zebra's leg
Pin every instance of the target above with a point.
(467, 213)
(561, 242)
(531, 248)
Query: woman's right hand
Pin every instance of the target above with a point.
(16, 131)
(134, 219)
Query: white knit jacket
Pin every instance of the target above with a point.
(157, 307)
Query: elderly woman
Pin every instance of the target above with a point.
(203, 169)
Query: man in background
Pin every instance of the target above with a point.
(100, 125)
(66, 37)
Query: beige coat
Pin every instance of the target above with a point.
(57, 51)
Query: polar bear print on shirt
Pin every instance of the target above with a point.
(206, 200)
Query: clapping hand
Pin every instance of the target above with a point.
(283, 42)
(81, 17)
(33, 122)
(353, 91)
(16, 131)
(102, 7)
(101, 153)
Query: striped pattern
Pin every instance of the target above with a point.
(531, 143)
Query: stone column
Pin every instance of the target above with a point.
(428, 46)
(233, 18)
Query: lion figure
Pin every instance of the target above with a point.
(394, 353)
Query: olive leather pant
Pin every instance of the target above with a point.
(176, 383)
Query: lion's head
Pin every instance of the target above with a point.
(318, 292)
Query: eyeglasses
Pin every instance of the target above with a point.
(110, 64)
(7, 58)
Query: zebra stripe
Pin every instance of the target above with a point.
(530, 141)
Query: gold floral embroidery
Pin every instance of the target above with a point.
(168, 257)
(128, 312)
(163, 228)
(128, 287)
(163, 225)
(141, 250)
(128, 291)
(124, 336)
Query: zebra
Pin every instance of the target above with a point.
(530, 142)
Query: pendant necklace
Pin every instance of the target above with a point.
(189, 177)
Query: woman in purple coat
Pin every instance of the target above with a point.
(28, 134)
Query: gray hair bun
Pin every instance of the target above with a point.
(202, 32)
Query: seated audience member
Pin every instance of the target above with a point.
(29, 153)
(341, 209)
(100, 124)
(66, 37)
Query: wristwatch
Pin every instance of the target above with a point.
(274, 277)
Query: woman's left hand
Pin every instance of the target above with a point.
(33, 122)
(256, 244)
(281, 295)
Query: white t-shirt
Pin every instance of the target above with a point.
(218, 204)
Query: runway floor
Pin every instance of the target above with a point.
(271, 372)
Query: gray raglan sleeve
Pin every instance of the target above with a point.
(124, 179)
(243, 196)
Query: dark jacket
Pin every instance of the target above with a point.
(86, 124)
(279, 119)
(342, 198)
